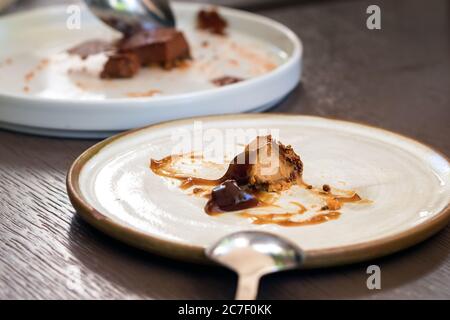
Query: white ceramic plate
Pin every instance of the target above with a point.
(408, 184)
(44, 90)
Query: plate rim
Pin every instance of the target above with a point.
(317, 258)
(295, 57)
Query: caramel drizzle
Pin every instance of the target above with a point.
(162, 168)
(302, 209)
(283, 219)
(336, 202)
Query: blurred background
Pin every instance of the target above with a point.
(13, 5)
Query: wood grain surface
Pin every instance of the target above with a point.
(396, 78)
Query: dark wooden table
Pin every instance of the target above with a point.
(396, 78)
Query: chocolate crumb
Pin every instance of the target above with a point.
(211, 21)
(121, 65)
(197, 190)
(226, 80)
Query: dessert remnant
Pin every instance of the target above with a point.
(160, 46)
(226, 80)
(121, 65)
(165, 46)
(211, 21)
(254, 178)
(266, 165)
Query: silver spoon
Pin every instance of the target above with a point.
(252, 254)
(127, 16)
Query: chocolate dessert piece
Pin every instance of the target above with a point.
(91, 47)
(225, 80)
(266, 165)
(121, 65)
(163, 46)
(211, 21)
(228, 196)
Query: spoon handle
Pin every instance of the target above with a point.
(247, 288)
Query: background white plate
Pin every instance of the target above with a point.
(64, 96)
(112, 186)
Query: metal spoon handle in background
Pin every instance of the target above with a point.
(127, 16)
(252, 254)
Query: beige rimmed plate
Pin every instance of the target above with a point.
(407, 183)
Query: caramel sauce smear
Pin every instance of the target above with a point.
(164, 167)
(284, 219)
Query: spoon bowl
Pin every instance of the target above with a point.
(252, 254)
(127, 16)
